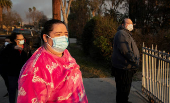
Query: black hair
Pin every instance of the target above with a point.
(7, 37)
(123, 22)
(48, 26)
(14, 36)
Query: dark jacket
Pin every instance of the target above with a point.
(125, 52)
(2, 70)
(13, 59)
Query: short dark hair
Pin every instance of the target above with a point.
(48, 26)
(14, 36)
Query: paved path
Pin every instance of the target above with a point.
(98, 90)
(73, 40)
(103, 90)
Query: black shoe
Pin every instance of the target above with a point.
(6, 95)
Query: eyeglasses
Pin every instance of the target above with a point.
(19, 39)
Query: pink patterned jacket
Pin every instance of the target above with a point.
(46, 78)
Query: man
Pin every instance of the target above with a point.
(125, 60)
(13, 58)
(3, 70)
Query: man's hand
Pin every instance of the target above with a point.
(18, 48)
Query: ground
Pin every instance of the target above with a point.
(137, 76)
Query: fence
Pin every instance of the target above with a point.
(156, 74)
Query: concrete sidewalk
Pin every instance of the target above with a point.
(98, 90)
(103, 90)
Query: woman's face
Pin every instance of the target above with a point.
(58, 30)
(19, 38)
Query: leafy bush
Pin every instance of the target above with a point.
(77, 22)
(98, 36)
(71, 25)
(104, 32)
(87, 36)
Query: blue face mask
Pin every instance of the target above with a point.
(6, 43)
(59, 43)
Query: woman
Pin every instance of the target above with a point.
(51, 75)
(13, 57)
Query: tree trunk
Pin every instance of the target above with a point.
(65, 20)
(56, 9)
(1, 16)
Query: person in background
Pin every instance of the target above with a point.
(52, 75)
(3, 70)
(14, 57)
(125, 60)
(7, 40)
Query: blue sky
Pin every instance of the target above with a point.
(21, 7)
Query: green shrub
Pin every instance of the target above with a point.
(87, 36)
(71, 25)
(77, 18)
(98, 37)
(104, 32)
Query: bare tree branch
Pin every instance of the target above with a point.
(69, 4)
(63, 8)
(65, 3)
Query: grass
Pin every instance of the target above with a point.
(89, 67)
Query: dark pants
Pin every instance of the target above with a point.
(123, 80)
(5, 77)
(13, 86)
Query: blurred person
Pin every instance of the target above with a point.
(125, 60)
(14, 57)
(3, 70)
(52, 75)
(7, 41)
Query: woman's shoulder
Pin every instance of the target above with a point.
(69, 56)
(31, 63)
(67, 52)
(35, 56)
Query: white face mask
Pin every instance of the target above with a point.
(6, 43)
(130, 27)
(21, 42)
(59, 43)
